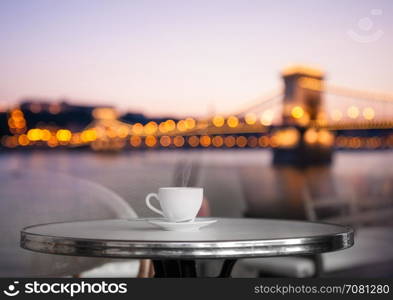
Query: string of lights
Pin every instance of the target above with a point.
(251, 127)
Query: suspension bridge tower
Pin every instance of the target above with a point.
(302, 95)
(303, 112)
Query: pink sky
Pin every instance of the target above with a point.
(185, 57)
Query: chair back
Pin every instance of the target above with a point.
(350, 200)
(28, 198)
(330, 200)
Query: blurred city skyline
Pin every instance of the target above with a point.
(187, 57)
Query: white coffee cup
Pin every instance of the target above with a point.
(178, 204)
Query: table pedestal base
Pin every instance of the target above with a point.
(186, 268)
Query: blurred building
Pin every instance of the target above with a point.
(42, 114)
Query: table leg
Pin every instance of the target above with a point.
(188, 268)
(318, 262)
(227, 268)
(172, 268)
(166, 268)
(159, 271)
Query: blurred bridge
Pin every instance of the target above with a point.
(304, 101)
(304, 110)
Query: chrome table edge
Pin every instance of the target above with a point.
(186, 250)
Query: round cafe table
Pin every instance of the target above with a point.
(174, 253)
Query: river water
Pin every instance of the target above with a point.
(236, 182)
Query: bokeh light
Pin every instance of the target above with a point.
(205, 141)
(297, 112)
(178, 141)
(250, 118)
(193, 141)
(229, 141)
(165, 141)
(218, 121)
(233, 121)
(182, 125)
(63, 135)
(263, 141)
(89, 135)
(266, 118)
(23, 140)
(368, 113)
(190, 123)
(150, 128)
(34, 134)
(241, 141)
(137, 128)
(217, 141)
(150, 141)
(353, 112)
(325, 138)
(311, 136)
(135, 141)
(252, 141)
(170, 125)
(286, 138)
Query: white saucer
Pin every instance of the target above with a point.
(182, 226)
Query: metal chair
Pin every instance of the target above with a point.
(373, 239)
(29, 197)
(335, 201)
